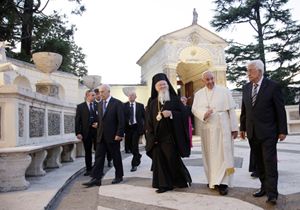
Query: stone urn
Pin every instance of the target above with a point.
(47, 62)
(128, 90)
(92, 81)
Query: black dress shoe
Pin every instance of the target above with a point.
(271, 200)
(254, 175)
(117, 180)
(162, 190)
(223, 189)
(134, 168)
(109, 164)
(259, 193)
(93, 182)
(87, 173)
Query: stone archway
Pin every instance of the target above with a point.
(193, 62)
(185, 54)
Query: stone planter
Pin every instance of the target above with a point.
(92, 81)
(47, 62)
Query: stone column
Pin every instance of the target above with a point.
(170, 71)
(220, 74)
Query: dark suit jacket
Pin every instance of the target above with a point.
(267, 118)
(110, 124)
(139, 115)
(82, 123)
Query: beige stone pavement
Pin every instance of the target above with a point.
(135, 192)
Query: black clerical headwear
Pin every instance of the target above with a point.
(156, 78)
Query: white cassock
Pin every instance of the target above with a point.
(215, 132)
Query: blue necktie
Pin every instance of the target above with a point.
(104, 106)
(131, 114)
(91, 113)
(91, 107)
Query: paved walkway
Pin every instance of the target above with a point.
(135, 192)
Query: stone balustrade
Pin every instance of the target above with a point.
(293, 119)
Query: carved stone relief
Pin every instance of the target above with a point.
(36, 122)
(69, 124)
(53, 123)
(0, 122)
(21, 112)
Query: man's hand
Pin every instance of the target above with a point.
(118, 138)
(234, 134)
(166, 113)
(242, 134)
(281, 137)
(79, 136)
(95, 125)
(207, 114)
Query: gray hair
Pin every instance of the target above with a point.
(258, 64)
(105, 86)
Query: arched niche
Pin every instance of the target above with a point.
(23, 82)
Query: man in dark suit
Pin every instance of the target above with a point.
(110, 131)
(134, 127)
(96, 102)
(84, 119)
(263, 117)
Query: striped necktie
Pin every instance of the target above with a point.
(104, 107)
(254, 93)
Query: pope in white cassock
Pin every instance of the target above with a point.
(214, 107)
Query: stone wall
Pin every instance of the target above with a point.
(26, 75)
(29, 118)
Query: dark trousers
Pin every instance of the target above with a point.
(265, 155)
(252, 164)
(127, 143)
(108, 155)
(101, 150)
(88, 143)
(132, 138)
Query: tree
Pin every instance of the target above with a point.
(52, 34)
(276, 40)
(40, 32)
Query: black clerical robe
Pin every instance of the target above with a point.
(167, 140)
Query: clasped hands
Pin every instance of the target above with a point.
(208, 114)
(166, 113)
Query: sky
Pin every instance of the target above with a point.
(114, 34)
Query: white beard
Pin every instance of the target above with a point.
(164, 96)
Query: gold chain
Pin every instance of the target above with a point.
(159, 117)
